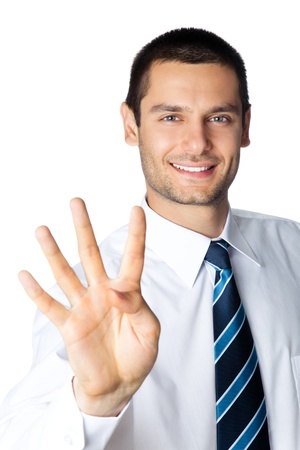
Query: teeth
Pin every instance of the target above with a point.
(191, 169)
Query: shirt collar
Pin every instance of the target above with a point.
(184, 250)
(233, 235)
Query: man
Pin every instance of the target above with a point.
(123, 352)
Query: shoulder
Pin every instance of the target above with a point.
(112, 248)
(248, 218)
(264, 229)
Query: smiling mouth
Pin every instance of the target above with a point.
(191, 169)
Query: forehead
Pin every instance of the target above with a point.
(174, 81)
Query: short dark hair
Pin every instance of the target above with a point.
(185, 45)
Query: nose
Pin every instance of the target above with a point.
(196, 138)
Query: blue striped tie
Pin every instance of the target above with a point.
(240, 404)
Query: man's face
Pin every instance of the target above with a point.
(191, 133)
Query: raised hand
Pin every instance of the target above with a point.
(110, 333)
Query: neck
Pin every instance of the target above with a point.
(207, 220)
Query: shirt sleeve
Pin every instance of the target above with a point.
(59, 425)
(41, 413)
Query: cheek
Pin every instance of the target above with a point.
(160, 140)
(228, 144)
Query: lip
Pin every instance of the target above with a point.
(199, 171)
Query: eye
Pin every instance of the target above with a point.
(170, 118)
(219, 119)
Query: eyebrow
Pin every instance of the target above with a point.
(165, 107)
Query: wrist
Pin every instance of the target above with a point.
(107, 405)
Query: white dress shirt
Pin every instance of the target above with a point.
(175, 407)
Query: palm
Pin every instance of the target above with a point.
(110, 333)
(114, 346)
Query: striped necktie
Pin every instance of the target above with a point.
(240, 404)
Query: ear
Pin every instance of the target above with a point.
(130, 126)
(245, 136)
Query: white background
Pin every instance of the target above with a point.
(64, 69)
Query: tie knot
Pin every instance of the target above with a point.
(217, 255)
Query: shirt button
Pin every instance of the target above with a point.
(68, 440)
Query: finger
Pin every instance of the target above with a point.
(127, 302)
(141, 318)
(133, 257)
(55, 311)
(87, 246)
(62, 271)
